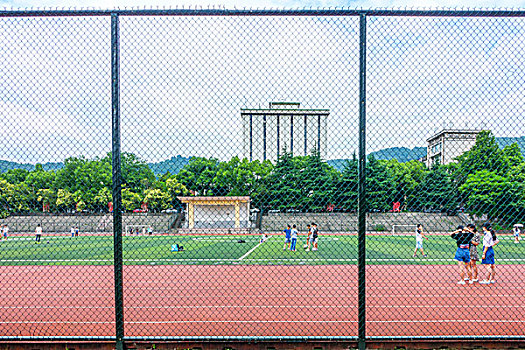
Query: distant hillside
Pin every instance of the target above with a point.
(173, 165)
(402, 154)
(6, 165)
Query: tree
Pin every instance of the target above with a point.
(379, 185)
(130, 200)
(65, 200)
(198, 175)
(436, 191)
(487, 193)
(346, 194)
(513, 154)
(484, 155)
(405, 178)
(156, 199)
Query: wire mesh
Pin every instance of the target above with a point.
(445, 136)
(240, 175)
(55, 181)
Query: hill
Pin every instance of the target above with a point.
(173, 165)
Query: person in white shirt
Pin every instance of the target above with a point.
(516, 232)
(38, 232)
(489, 241)
(419, 240)
(5, 231)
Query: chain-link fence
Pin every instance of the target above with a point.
(251, 175)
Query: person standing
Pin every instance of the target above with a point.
(314, 236)
(287, 237)
(419, 240)
(308, 232)
(293, 235)
(474, 252)
(38, 233)
(463, 238)
(76, 231)
(489, 241)
(516, 232)
(5, 231)
(72, 231)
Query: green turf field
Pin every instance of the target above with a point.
(211, 250)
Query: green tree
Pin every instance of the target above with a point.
(513, 154)
(198, 175)
(379, 185)
(484, 155)
(487, 193)
(436, 190)
(65, 200)
(156, 199)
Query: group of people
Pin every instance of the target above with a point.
(467, 239)
(74, 231)
(291, 235)
(4, 230)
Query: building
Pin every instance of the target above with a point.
(284, 126)
(448, 144)
(217, 212)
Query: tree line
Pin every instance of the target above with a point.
(484, 180)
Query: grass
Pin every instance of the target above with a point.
(210, 250)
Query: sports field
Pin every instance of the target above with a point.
(334, 249)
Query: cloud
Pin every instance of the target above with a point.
(185, 79)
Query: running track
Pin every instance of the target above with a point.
(204, 300)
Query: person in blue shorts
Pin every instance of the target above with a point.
(294, 234)
(516, 232)
(489, 241)
(287, 237)
(463, 237)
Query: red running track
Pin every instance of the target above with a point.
(204, 300)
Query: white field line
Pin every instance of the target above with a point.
(251, 250)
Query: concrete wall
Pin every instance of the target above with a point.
(86, 223)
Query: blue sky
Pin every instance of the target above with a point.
(184, 80)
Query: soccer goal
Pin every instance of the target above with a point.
(137, 229)
(401, 229)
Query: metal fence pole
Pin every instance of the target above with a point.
(362, 208)
(117, 181)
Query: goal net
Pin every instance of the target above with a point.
(403, 229)
(137, 229)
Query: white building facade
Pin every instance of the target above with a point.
(284, 126)
(446, 145)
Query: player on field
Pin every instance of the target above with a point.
(308, 233)
(516, 232)
(38, 233)
(419, 240)
(293, 235)
(287, 237)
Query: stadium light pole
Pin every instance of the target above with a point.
(117, 182)
(362, 206)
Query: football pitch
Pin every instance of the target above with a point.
(238, 250)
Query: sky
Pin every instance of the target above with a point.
(184, 80)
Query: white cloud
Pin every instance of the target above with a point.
(184, 80)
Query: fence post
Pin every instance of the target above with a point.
(362, 206)
(117, 181)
